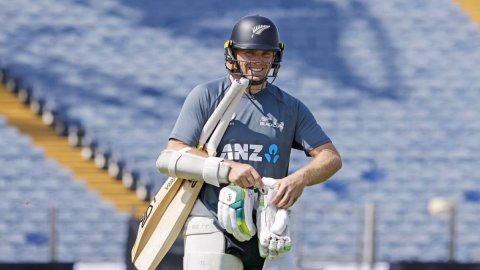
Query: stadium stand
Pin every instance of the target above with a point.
(472, 8)
(394, 83)
(58, 148)
(30, 186)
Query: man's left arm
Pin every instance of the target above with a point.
(325, 163)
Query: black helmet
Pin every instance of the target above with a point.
(254, 33)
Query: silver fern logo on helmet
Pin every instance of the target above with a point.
(258, 29)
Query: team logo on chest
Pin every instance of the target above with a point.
(271, 121)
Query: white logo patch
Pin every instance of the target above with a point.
(271, 121)
(258, 29)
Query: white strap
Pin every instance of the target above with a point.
(210, 170)
(172, 165)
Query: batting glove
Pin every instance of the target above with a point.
(273, 227)
(235, 211)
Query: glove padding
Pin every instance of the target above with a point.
(273, 229)
(235, 211)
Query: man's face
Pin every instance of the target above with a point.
(255, 64)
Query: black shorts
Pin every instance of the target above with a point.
(246, 251)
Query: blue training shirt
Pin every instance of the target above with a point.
(265, 128)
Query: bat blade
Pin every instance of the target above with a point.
(235, 89)
(154, 213)
(169, 226)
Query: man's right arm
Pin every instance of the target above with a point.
(243, 175)
(175, 144)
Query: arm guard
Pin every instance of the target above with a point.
(192, 167)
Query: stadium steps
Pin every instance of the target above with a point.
(57, 147)
(472, 7)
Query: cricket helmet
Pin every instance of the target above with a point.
(254, 32)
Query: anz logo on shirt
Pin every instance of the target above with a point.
(250, 152)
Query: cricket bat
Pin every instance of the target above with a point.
(169, 228)
(235, 90)
(154, 212)
(168, 212)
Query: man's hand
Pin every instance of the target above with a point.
(243, 175)
(287, 191)
(325, 163)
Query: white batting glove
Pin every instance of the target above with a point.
(235, 211)
(272, 224)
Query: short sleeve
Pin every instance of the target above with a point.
(308, 133)
(192, 117)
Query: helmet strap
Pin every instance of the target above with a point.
(258, 82)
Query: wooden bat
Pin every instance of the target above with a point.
(170, 226)
(221, 127)
(165, 217)
(154, 213)
(238, 87)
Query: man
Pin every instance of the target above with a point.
(267, 124)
